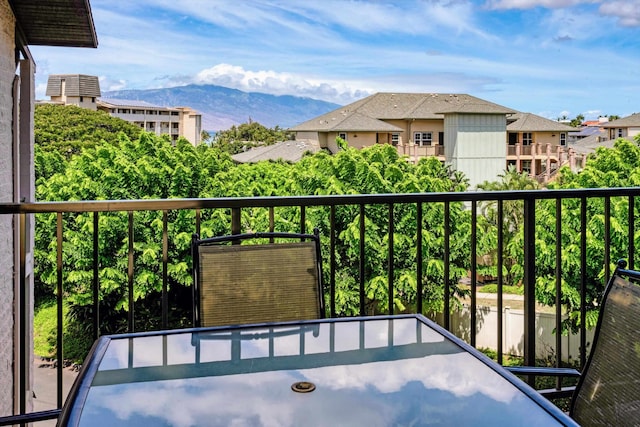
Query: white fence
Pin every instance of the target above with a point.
(513, 332)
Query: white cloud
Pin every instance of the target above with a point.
(530, 4)
(567, 25)
(627, 12)
(108, 84)
(358, 15)
(277, 83)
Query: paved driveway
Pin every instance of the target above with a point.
(45, 380)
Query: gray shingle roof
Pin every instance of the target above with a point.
(115, 102)
(75, 85)
(291, 151)
(368, 113)
(589, 144)
(527, 122)
(586, 131)
(629, 121)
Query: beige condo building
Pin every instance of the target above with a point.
(84, 91)
(173, 121)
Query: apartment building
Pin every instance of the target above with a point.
(626, 127)
(175, 122)
(84, 91)
(471, 135)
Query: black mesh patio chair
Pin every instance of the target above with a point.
(257, 278)
(608, 390)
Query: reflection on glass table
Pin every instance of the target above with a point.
(373, 371)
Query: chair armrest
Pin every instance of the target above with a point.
(543, 371)
(550, 393)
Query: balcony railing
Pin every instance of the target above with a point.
(233, 209)
(415, 151)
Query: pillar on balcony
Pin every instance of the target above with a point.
(534, 151)
(572, 159)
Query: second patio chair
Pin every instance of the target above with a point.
(608, 389)
(257, 278)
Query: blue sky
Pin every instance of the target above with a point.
(548, 57)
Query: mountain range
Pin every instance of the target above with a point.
(223, 107)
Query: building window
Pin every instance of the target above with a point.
(526, 166)
(563, 139)
(395, 138)
(619, 132)
(342, 135)
(527, 138)
(422, 138)
(82, 99)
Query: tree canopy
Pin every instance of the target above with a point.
(125, 163)
(247, 135)
(68, 128)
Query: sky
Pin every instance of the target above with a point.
(553, 58)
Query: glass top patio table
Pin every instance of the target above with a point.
(368, 371)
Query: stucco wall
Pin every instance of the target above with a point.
(7, 73)
(361, 139)
(552, 138)
(433, 126)
(474, 145)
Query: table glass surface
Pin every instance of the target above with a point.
(371, 373)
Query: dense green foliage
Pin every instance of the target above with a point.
(67, 128)
(247, 135)
(617, 167)
(144, 166)
(150, 167)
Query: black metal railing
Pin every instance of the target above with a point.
(234, 207)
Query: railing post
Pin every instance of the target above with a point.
(500, 262)
(583, 282)
(419, 289)
(447, 254)
(361, 265)
(474, 274)
(529, 282)
(165, 271)
(96, 277)
(59, 302)
(391, 256)
(130, 271)
(235, 221)
(332, 263)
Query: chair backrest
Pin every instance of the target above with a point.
(608, 392)
(272, 281)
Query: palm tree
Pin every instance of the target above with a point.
(512, 214)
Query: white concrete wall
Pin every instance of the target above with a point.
(7, 73)
(513, 332)
(475, 145)
(190, 125)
